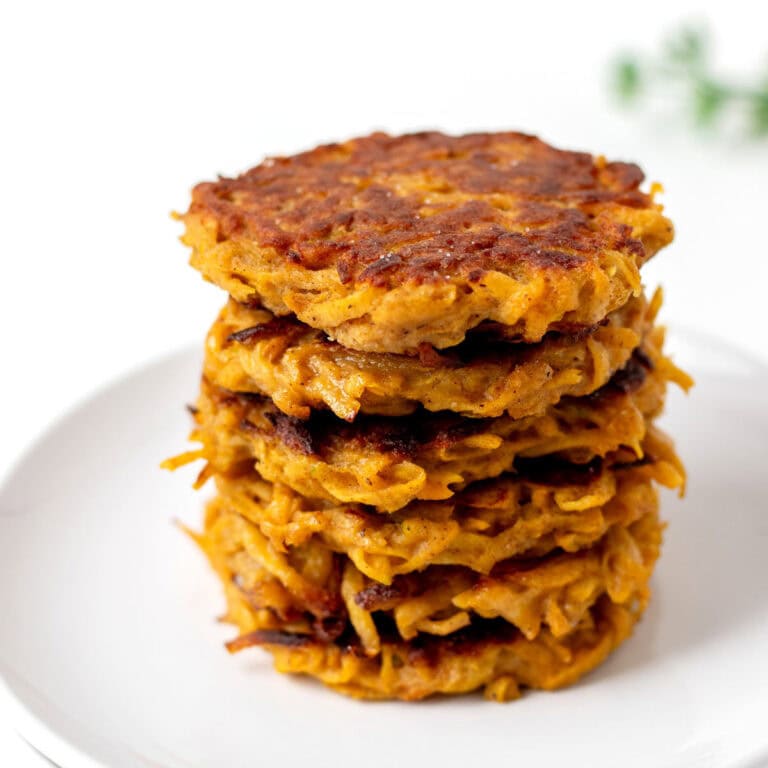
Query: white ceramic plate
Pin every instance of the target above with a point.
(110, 656)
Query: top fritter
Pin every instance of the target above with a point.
(388, 243)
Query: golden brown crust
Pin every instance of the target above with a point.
(388, 242)
(338, 206)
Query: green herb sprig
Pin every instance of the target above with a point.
(685, 62)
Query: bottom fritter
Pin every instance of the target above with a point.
(491, 655)
(537, 622)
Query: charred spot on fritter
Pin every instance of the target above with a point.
(552, 470)
(376, 595)
(629, 378)
(330, 628)
(277, 326)
(292, 431)
(425, 650)
(267, 637)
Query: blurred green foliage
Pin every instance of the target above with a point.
(684, 64)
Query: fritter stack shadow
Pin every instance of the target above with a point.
(428, 410)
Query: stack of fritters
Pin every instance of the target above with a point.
(428, 410)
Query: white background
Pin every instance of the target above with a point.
(110, 113)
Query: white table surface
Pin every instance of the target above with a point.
(111, 113)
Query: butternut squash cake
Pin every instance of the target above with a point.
(489, 227)
(428, 410)
(300, 369)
